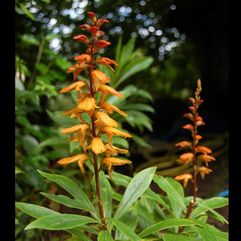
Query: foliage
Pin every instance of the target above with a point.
(131, 62)
(149, 215)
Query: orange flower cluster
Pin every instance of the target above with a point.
(90, 134)
(195, 154)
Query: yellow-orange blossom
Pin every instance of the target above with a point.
(89, 134)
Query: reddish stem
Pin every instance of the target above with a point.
(194, 162)
(96, 169)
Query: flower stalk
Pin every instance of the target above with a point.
(90, 134)
(195, 154)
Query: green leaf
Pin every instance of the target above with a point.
(129, 218)
(134, 67)
(106, 194)
(169, 223)
(53, 141)
(105, 236)
(30, 39)
(60, 222)
(72, 188)
(176, 237)
(174, 193)
(206, 234)
(26, 12)
(120, 179)
(125, 229)
(136, 187)
(140, 141)
(212, 203)
(34, 210)
(68, 202)
(138, 106)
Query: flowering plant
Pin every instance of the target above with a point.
(139, 213)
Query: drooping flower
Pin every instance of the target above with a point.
(203, 171)
(97, 145)
(80, 158)
(185, 178)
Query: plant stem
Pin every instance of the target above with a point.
(101, 211)
(194, 162)
(96, 169)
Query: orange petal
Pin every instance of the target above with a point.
(112, 150)
(114, 161)
(185, 177)
(88, 104)
(102, 119)
(110, 108)
(203, 171)
(101, 44)
(109, 90)
(188, 127)
(83, 58)
(100, 76)
(184, 144)
(97, 145)
(186, 157)
(68, 160)
(115, 132)
(203, 149)
(74, 86)
(74, 128)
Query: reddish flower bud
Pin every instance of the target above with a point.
(189, 116)
(94, 29)
(101, 44)
(192, 100)
(85, 26)
(99, 33)
(92, 16)
(101, 21)
(188, 127)
(81, 38)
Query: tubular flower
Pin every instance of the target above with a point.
(107, 62)
(78, 85)
(196, 154)
(80, 158)
(110, 108)
(88, 133)
(203, 171)
(185, 178)
(112, 161)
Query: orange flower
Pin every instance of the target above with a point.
(81, 38)
(203, 149)
(203, 171)
(184, 144)
(198, 137)
(78, 85)
(75, 128)
(101, 21)
(101, 44)
(76, 69)
(110, 108)
(185, 177)
(83, 58)
(112, 150)
(186, 158)
(87, 105)
(206, 159)
(106, 62)
(80, 158)
(99, 79)
(113, 161)
(102, 119)
(109, 90)
(97, 145)
(188, 127)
